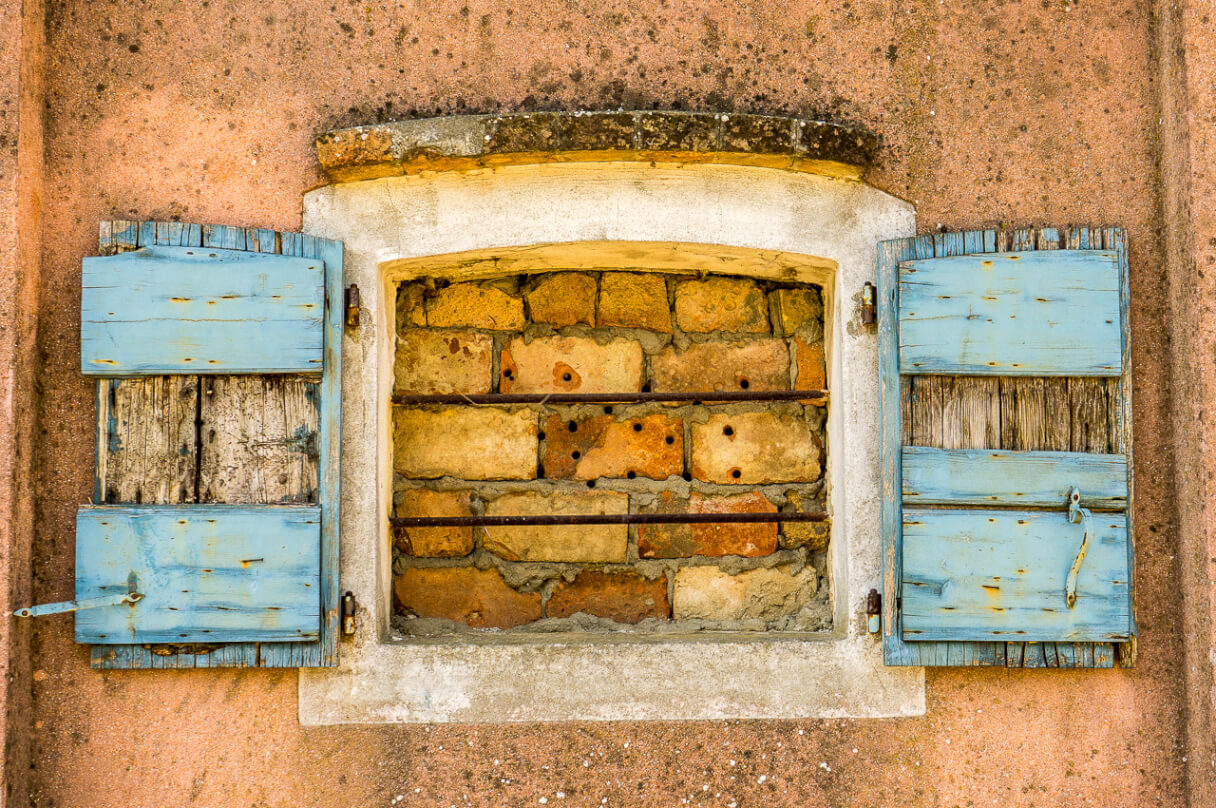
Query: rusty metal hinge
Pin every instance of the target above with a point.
(352, 306)
(869, 298)
(348, 614)
(874, 611)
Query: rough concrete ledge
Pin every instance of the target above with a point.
(461, 143)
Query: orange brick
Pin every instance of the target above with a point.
(634, 300)
(570, 543)
(571, 365)
(812, 374)
(562, 299)
(604, 446)
(434, 362)
(755, 449)
(762, 364)
(434, 542)
(467, 305)
(682, 541)
(721, 304)
(623, 597)
(478, 598)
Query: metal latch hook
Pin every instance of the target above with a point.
(118, 599)
(1077, 516)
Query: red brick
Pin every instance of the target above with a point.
(762, 364)
(434, 542)
(562, 299)
(682, 541)
(721, 304)
(623, 597)
(634, 300)
(434, 362)
(604, 446)
(570, 365)
(478, 598)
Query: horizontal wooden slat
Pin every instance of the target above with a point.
(169, 310)
(208, 573)
(1049, 313)
(1000, 575)
(986, 477)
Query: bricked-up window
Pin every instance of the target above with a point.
(609, 332)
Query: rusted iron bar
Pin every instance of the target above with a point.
(605, 519)
(611, 398)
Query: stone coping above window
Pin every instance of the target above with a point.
(465, 142)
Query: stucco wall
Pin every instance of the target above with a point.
(1018, 113)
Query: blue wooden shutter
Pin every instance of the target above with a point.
(1005, 388)
(234, 583)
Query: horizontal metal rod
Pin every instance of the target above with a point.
(611, 398)
(605, 519)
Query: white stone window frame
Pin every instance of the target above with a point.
(763, 222)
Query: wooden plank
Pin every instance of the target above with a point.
(1115, 239)
(182, 310)
(260, 441)
(147, 440)
(997, 574)
(890, 253)
(1016, 314)
(261, 241)
(986, 477)
(208, 573)
(223, 237)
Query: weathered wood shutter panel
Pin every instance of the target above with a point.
(1004, 360)
(217, 463)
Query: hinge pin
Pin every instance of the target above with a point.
(348, 614)
(869, 295)
(874, 611)
(352, 306)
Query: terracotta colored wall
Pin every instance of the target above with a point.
(1188, 67)
(1022, 112)
(21, 91)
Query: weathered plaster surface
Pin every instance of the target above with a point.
(1014, 113)
(826, 230)
(21, 92)
(1188, 204)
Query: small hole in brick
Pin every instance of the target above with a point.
(591, 483)
(744, 383)
(736, 473)
(687, 477)
(566, 377)
(670, 440)
(573, 426)
(507, 374)
(540, 435)
(631, 475)
(576, 454)
(728, 431)
(646, 388)
(637, 427)
(607, 410)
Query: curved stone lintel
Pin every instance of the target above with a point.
(465, 142)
